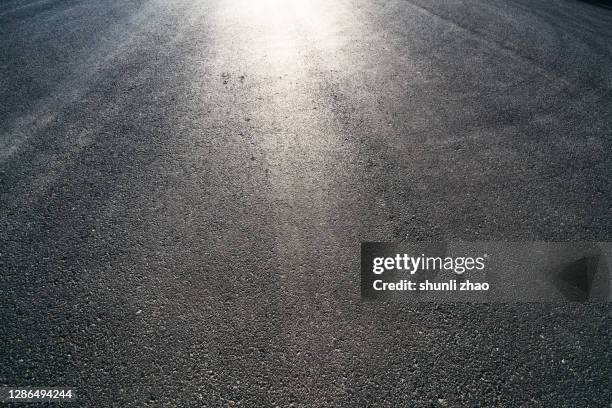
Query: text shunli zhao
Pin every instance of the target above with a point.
(411, 264)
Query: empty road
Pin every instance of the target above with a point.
(184, 187)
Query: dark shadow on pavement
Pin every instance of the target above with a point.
(607, 4)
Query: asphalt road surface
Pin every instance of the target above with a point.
(184, 186)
